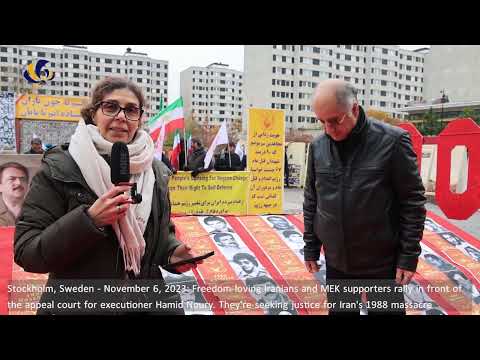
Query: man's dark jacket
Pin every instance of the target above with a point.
(364, 200)
(196, 160)
(223, 163)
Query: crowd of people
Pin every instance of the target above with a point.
(224, 160)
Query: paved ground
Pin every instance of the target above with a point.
(293, 202)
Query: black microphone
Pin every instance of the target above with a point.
(120, 163)
(120, 169)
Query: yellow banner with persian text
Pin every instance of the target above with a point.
(217, 192)
(43, 107)
(266, 157)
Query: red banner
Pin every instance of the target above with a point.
(6, 262)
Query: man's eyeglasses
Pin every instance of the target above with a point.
(335, 122)
(112, 109)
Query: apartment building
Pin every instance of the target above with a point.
(212, 94)
(284, 77)
(77, 70)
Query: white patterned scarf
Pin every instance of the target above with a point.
(86, 147)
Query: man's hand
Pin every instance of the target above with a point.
(182, 252)
(312, 266)
(404, 276)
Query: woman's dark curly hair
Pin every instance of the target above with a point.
(105, 87)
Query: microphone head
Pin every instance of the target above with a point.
(120, 163)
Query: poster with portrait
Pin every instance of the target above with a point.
(7, 121)
(258, 269)
(16, 173)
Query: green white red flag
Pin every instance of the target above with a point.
(172, 117)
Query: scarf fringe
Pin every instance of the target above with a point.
(131, 258)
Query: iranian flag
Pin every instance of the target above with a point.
(159, 144)
(171, 117)
(176, 149)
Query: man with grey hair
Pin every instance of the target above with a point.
(364, 199)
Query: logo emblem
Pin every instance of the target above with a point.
(36, 73)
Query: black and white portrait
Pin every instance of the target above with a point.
(217, 224)
(279, 223)
(451, 238)
(432, 226)
(439, 263)
(474, 253)
(266, 292)
(226, 241)
(249, 266)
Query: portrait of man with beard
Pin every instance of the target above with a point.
(13, 188)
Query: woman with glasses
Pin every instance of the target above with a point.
(76, 224)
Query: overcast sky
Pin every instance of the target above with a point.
(180, 57)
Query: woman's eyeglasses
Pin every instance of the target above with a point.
(112, 109)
